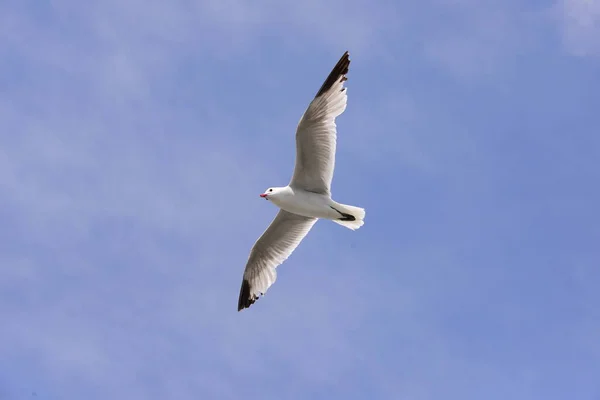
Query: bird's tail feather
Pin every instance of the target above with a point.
(350, 216)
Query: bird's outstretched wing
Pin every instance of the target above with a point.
(274, 246)
(316, 133)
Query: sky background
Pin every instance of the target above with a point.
(135, 137)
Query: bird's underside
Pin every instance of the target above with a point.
(316, 138)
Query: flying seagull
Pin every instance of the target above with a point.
(308, 195)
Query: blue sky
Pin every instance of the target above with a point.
(136, 137)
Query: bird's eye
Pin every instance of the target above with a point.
(270, 190)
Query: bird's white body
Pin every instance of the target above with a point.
(304, 203)
(307, 198)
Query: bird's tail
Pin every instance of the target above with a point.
(350, 216)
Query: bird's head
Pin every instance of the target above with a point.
(273, 192)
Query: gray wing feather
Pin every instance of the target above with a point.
(316, 134)
(274, 246)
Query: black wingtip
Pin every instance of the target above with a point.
(245, 300)
(340, 69)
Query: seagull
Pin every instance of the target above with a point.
(307, 197)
